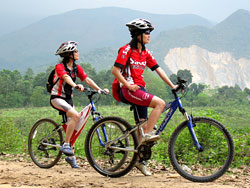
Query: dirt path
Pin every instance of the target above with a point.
(14, 173)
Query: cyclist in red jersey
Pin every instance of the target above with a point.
(61, 94)
(129, 66)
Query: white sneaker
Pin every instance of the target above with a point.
(142, 166)
(150, 137)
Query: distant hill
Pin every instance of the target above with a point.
(35, 45)
(231, 35)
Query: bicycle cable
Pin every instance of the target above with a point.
(187, 90)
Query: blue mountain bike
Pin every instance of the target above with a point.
(200, 149)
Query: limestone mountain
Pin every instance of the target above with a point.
(214, 69)
(231, 35)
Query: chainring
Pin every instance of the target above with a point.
(144, 151)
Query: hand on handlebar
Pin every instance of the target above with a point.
(79, 87)
(103, 91)
(106, 90)
(180, 85)
(176, 88)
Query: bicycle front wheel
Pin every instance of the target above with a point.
(44, 141)
(206, 165)
(110, 148)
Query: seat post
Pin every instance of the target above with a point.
(136, 114)
(139, 123)
(64, 117)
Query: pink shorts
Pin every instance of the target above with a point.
(139, 97)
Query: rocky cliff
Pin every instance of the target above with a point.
(214, 69)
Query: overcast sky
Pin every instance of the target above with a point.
(214, 10)
(33, 10)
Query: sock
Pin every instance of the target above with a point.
(66, 144)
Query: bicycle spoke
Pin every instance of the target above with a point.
(205, 165)
(116, 157)
(44, 140)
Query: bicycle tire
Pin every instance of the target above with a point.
(209, 164)
(106, 161)
(42, 132)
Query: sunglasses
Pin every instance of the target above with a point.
(76, 51)
(147, 32)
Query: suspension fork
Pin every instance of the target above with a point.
(191, 130)
(97, 116)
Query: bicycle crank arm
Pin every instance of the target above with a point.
(123, 149)
(53, 145)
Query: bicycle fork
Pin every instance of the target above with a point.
(192, 132)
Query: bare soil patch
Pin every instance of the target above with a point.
(16, 172)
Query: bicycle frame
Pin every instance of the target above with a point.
(84, 116)
(172, 106)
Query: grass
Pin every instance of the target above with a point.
(15, 124)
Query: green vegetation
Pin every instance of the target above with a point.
(24, 100)
(15, 125)
(29, 90)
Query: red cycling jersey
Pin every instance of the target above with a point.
(137, 63)
(58, 89)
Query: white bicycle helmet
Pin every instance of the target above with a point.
(140, 24)
(68, 46)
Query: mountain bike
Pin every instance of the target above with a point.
(46, 136)
(200, 149)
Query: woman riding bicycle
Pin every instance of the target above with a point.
(129, 66)
(61, 94)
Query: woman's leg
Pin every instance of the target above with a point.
(142, 98)
(73, 115)
(158, 105)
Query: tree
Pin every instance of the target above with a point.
(183, 74)
(247, 91)
(29, 74)
(38, 98)
(173, 78)
(186, 75)
(40, 79)
(89, 70)
(196, 89)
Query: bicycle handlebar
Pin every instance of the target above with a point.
(90, 91)
(181, 86)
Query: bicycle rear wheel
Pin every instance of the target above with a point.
(206, 165)
(108, 147)
(44, 141)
